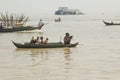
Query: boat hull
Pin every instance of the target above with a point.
(48, 45)
(23, 28)
(108, 23)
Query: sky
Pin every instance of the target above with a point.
(50, 6)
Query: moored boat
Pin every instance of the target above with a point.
(48, 45)
(110, 23)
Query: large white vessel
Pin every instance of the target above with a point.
(67, 11)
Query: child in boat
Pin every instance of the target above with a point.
(46, 41)
(41, 40)
(37, 40)
(33, 40)
(67, 38)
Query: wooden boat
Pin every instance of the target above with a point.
(48, 45)
(58, 20)
(22, 28)
(110, 23)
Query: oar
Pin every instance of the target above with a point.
(60, 39)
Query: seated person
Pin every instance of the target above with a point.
(46, 41)
(37, 40)
(33, 40)
(41, 39)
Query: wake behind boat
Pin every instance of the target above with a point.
(48, 45)
(110, 23)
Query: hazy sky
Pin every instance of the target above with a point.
(49, 6)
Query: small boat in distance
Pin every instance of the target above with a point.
(48, 45)
(58, 20)
(110, 23)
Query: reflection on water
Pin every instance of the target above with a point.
(35, 54)
(46, 63)
(67, 57)
(41, 57)
(43, 54)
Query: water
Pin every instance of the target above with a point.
(95, 58)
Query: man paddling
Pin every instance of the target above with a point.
(67, 38)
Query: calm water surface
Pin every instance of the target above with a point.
(97, 57)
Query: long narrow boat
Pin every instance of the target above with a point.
(22, 28)
(48, 45)
(110, 23)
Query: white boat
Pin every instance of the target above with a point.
(67, 11)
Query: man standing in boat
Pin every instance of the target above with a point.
(40, 23)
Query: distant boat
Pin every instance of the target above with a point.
(67, 11)
(110, 23)
(58, 20)
(48, 45)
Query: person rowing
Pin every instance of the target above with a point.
(67, 38)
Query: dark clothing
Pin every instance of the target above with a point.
(1, 26)
(33, 41)
(67, 39)
(41, 42)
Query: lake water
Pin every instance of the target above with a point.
(97, 57)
